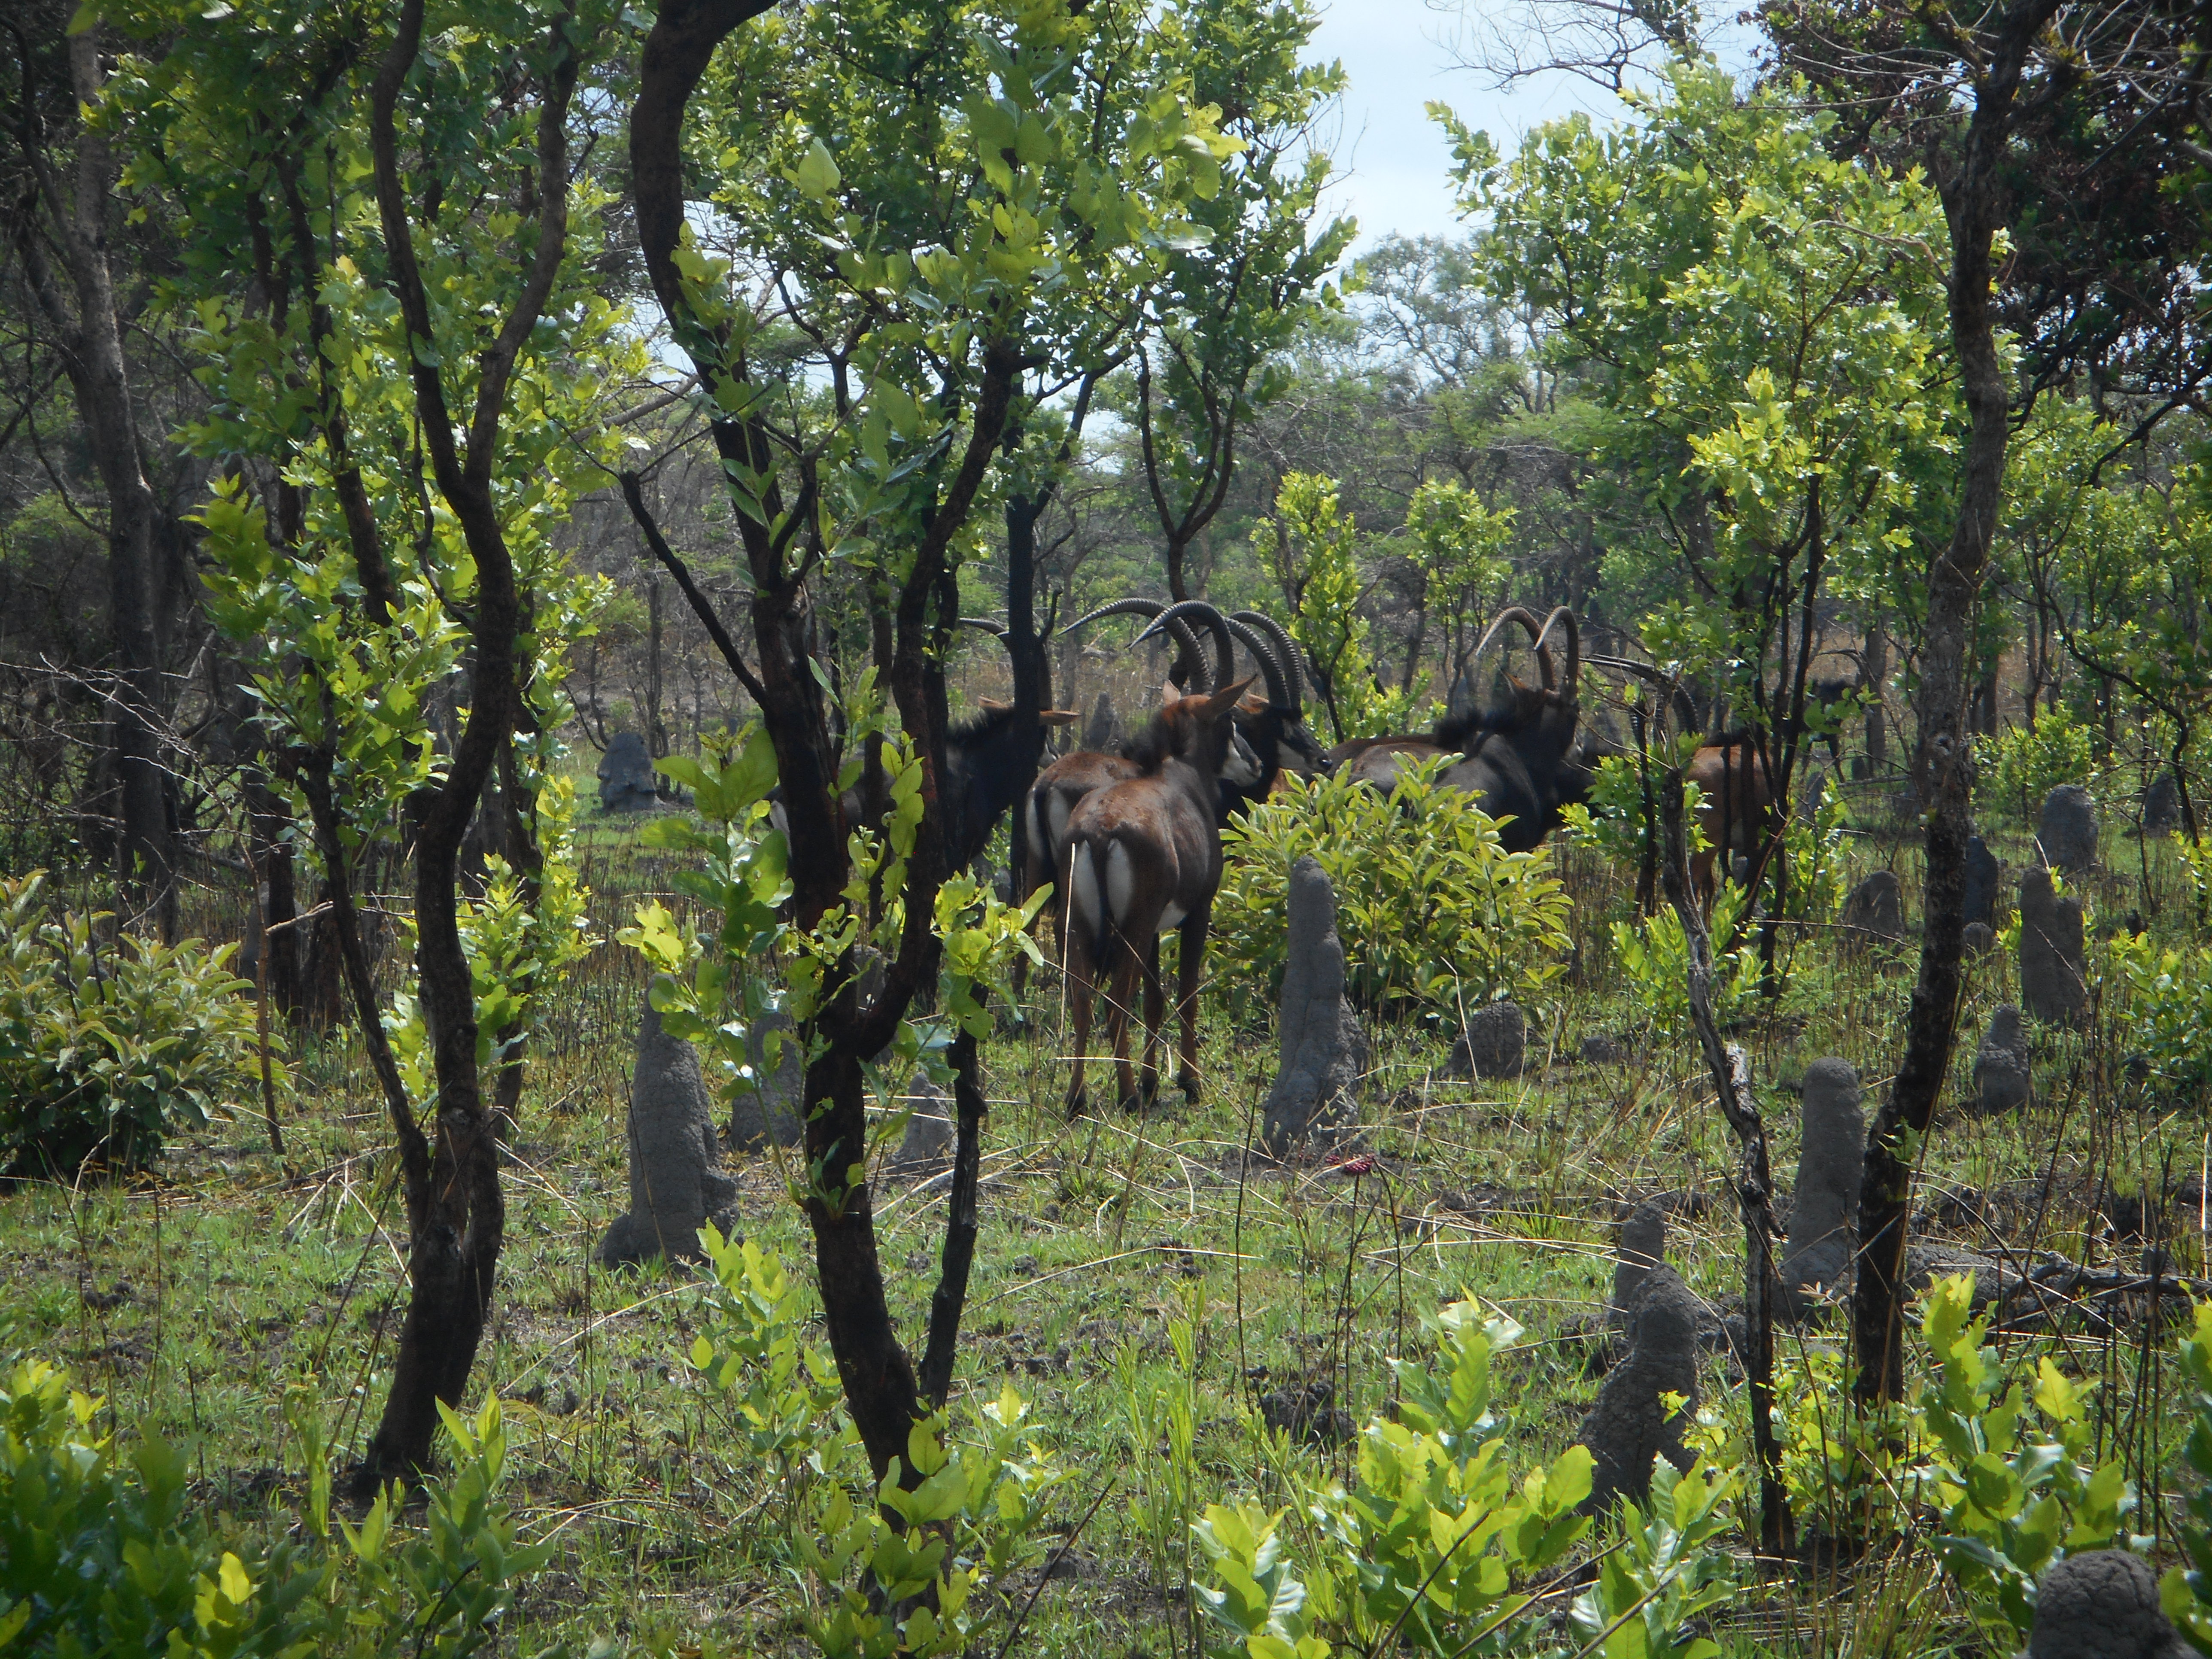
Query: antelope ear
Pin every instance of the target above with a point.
(1170, 693)
(1252, 703)
(993, 705)
(1222, 701)
(1058, 717)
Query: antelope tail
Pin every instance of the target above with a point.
(1088, 906)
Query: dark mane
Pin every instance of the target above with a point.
(976, 728)
(1470, 725)
(1154, 746)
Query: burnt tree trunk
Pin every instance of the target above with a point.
(1942, 763)
(879, 1381)
(276, 898)
(456, 1212)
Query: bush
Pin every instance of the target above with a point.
(1435, 914)
(874, 1589)
(104, 1053)
(2009, 1466)
(1654, 958)
(2164, 1001)
(1615, 821)
(2027, 763)
(101, 1554)
(1431, 1550)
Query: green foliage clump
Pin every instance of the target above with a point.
(779, 1389)
(968, 1516)
(1422, 1555)
(1666, 1570)
(1618, 821)
(105, 1052)
(2008, 1464)
(1312, 547)
(720, 991)
(1435, 914)
(2164, 1001)
(2024, 764)
(102, 1551)
(1655, 955)
(2185, 1591)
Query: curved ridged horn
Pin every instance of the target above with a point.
(1642, 670)
(1190, 656)
(1513, 613)
(1561, 614)
(1278, 691)
(1286, 653)
(1224, 664)
(986, 624)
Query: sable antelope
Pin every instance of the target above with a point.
(990, 760)
(1525, 757)
(1143, 856)
(1059, 788)
(1277, 730)
(1270, 735)
(1731, 773)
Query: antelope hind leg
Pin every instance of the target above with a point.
(1155, 1017)
(1079, 981)
(1190, 959)
(1121, 994)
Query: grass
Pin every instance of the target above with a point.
(194, 1302)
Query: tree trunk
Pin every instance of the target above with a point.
(879, 1381)
(456, 1212)
(1730, 1071)
(1942, 763)
(89, 333)
(1876, 669)
(276, 902)
(656, 734)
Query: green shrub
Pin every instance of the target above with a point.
(1425, 1553)
(1616, 822)
(1655, 957)
(2025, 763)
(2186, 1591)
(101, 1554)
(2163, 1001)
(2008, 1465)
(873, 1589)
(105, 1052)
(1435, 914)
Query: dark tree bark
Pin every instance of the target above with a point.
(276, 904)
(456, 1212)
(961, 1226)
(79, 304)
(1221, 395)
(1975, 203)
(880, 1380)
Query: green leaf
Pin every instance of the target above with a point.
(817, 173)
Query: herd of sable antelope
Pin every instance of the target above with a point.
(1130, 841)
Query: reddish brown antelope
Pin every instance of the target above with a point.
(1143, 856)
(1732, 774)
(1042, 821)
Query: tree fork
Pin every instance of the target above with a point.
(457, 1231)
